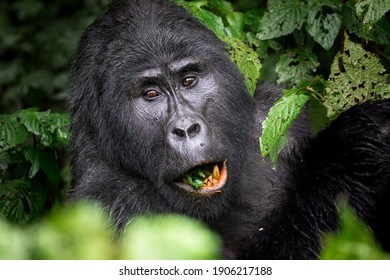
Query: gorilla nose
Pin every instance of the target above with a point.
(188, 134)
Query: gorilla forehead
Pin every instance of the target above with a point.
(152, 16)
(155, 30)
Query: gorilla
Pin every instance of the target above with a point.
(155, 99)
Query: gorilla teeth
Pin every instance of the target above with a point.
(205, 176)
(216, 172)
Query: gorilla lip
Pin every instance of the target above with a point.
(213, 178)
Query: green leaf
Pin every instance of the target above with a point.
(379, 32)
(11, 133)
(30, 118)
(80, 231)
(50, 127)
(280, 143)
(20, 202)
(278, 121)
(221, 7)
(198, 183)
(50, 167)
(247, 62)
(152, 238)
(59, 124)
(211, 20)
(282, 18)
(32, 156)
(261, 46)
(318, 112)
(189, 180)
(353, 241)
(324, 22)
(41, 160)
(371, 11)
(318, 116)
(253, 19)
(296, 66)
(356, 76)
(199, 172)
(55, 121)
(236, 22)
(14, 242)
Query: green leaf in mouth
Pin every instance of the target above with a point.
(206, 175)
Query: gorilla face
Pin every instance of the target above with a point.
(164, 103)
(176, 101)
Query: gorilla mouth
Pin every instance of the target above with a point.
(207, 178)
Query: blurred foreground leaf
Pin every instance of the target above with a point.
(354, 241)
(83, 231)
(169, 237)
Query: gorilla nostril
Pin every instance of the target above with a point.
(193, 130)
(190, 132)
(179, 132)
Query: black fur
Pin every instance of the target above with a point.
(126, 150)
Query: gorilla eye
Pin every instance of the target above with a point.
(151, 95)
(189, 81)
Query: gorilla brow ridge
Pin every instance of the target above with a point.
(181, 66)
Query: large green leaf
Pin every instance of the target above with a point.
(282, 18)
(356, 76)
(278, 121)
(324, 21)
(152, 238)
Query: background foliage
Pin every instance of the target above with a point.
(329, 54)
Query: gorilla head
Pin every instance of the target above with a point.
(155, 97)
